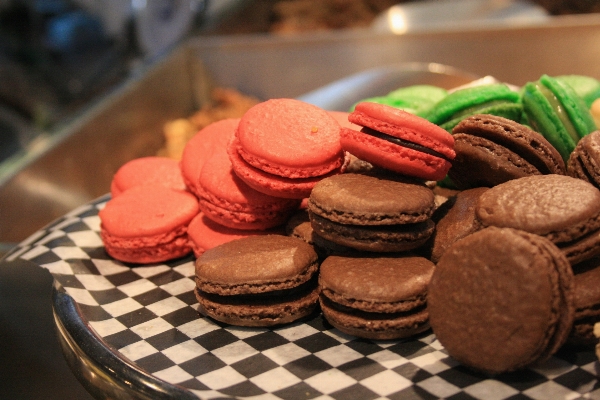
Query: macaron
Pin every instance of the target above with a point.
(399, 141)
(557, 112)
(258, 281)
(501, 299)
(229, 201)
(587, 302)
(148, 224)
(491, 150)
(584, 161)
(415, 99)
(283, 147)
(376, 297)
(586, 87)
(454, 219)
(495, 98)
(204, 233)
(147, 170)
(563, 209)
(370, 213)
(199, 148)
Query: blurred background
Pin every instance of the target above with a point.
(66, 66)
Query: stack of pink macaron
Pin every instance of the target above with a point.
(236, 178)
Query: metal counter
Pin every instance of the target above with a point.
(75, 164)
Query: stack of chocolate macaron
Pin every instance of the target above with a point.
(461, 211)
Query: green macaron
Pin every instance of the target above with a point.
(555, 110)
(415, 99)
(496, 99)
(586, 87)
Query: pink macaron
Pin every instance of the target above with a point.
(148, 224)
(147, 170)
(229, 201)
(399, 141)
(204, 234)
(199, 148)
(283, 147)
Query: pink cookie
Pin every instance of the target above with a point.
(229, 201)
(399, 141)
(199, 148)
(283, 147)
(148, 224)
(147, 170)
(205, 234)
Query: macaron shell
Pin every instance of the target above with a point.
(147, 211)
(461, 99)
(587, 302)
(505, 277)
(574, 105)
(147, 170)
(199, 148)
(511, 111)
(290, 138)
(584, 162)
(256, 264)
(270, 184)
(559, 207)
(128, 251)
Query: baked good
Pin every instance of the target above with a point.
(258, 281)
(229, 201)
(495, 98)
(415, 99)
(501, 299)
(148, 224)
(204, 233)
(491, 150)
(454, 219)
(586, 87)
(587, 302)
(398, 141)
(200, 147)
(595, 111)
(584, 161)
(370, 213)
(147, 170)
(282, 147)
(554, 109)
(565, 210)
(376, 297)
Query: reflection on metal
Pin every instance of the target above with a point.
(463, 14)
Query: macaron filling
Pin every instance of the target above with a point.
(404, 143)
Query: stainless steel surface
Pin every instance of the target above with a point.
(76, 164)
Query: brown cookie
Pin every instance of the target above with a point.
(584, 162)
(563, 209)
(491, 150)
(370, 213)
(501, 299)
(457, 222)
(258, 281)
(587, 302)
(376, 297)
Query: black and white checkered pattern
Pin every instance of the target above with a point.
(149, 313)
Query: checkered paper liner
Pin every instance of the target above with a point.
(149, 315)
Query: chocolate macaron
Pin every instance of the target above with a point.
(501, 299)
(376, 297)
(563, 209)
(584, 162)
(491, 150)
(587, 302)
(371, 213)
(258, 281)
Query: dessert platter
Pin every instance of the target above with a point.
(135, 330)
